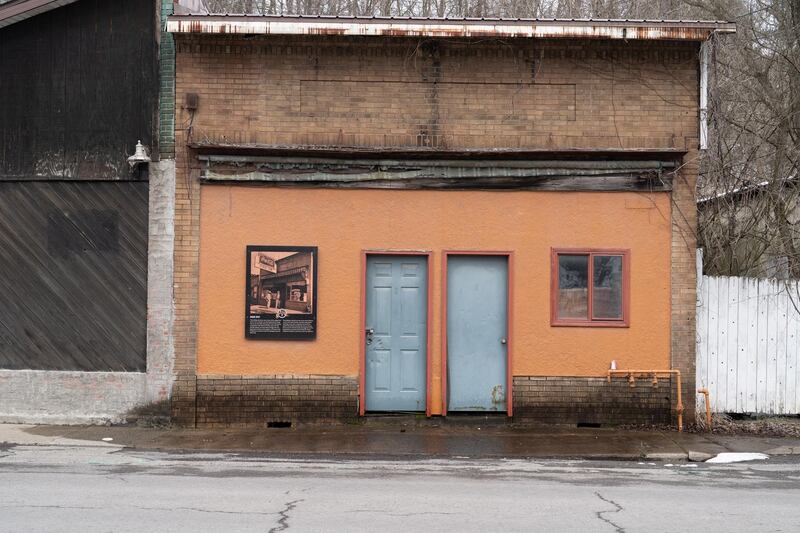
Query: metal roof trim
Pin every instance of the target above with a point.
(206, 150)
(443, 28)
(13, 12)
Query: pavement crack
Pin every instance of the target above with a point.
(390, 513)
(21, 505)
(17, 505)
(600, 514)
(199, 510)
(283, 521)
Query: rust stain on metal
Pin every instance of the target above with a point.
(326, 31)
(497, 395)
(546, 29)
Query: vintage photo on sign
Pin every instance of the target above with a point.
(281, 292)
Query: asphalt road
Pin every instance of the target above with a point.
(90, 488)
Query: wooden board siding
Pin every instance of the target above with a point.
(748, 344)
(74, 275)
(79, 88)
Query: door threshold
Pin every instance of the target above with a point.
(477, 418)
(390, 414)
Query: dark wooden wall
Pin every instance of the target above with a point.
(73, 288)
(78, 88)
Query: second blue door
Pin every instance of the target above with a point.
(477, 332)
(396, 334)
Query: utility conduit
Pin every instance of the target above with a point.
(705, 393)
(653, 374)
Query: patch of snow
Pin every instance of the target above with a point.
(738, 457)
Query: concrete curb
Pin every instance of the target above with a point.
(783, 450)
(699, 457)
(667, 456)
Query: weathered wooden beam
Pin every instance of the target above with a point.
(600, 182)
(433, 173)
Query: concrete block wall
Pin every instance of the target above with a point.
(47, 397)
(160, 304)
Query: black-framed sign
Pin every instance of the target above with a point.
(281, 293)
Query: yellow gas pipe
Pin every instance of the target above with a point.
(632, 380)
(705, 393)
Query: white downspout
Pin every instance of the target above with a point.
(704, 95)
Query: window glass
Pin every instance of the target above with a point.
(573, 286)
(607, 286)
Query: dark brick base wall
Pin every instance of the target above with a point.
(260, 400)
(184, 392)
(226, 401)
(574, 400)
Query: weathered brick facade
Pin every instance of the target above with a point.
(582, 400)
(266, 400)
(684, 279)
(380, 93)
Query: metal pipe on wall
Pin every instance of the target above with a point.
(704, 95)
(705, 393)
(654, 373)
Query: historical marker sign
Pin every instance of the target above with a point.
(281, 292)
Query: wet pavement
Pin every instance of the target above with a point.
(390, 477)
(98, 486)
(408, 440)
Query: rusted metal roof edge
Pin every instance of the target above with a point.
(14, 12)
(444, 28)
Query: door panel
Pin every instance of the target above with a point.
(477, 329)
(397, 316)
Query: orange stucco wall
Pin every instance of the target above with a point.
(342, 223)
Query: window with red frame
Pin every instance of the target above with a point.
(590, 288)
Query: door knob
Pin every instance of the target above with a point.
(503, 341)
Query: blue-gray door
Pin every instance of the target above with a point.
(477, 332)
(396, 336)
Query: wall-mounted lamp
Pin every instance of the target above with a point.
(139, 156)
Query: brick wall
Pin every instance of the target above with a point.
(408, 92)
(683, 282)
(185, 267)
(166, 76)
(386, 92)
(261, 400)
(575, 400)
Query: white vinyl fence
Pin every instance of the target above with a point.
(748, 341)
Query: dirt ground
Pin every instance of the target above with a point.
(768, 426)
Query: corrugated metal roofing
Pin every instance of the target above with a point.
(12, 11)
(693, 30)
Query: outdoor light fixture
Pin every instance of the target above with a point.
(139, 156)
